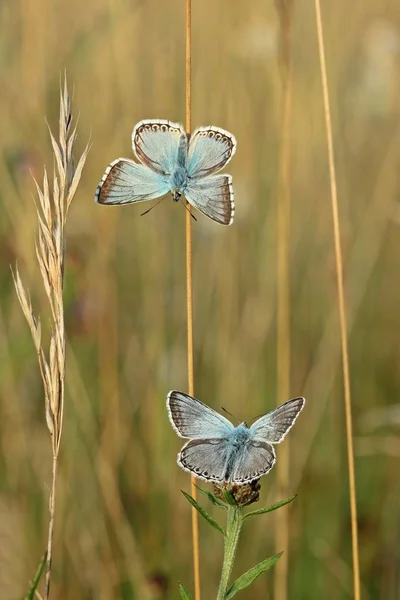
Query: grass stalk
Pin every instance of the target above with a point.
(341, 303)
(52, 214)
(284, 8)
(189, 292)
(50, 534)
(362, 260)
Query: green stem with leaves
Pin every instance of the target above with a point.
(235, 500)
(233, 528)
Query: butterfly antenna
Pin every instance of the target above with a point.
(154, 205)
(230, 414)
(189, 211)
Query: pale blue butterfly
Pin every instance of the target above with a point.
(220, 452)
(172, 161)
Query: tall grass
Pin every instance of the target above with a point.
(189, 291)
(341, 305)
(118, 524)
(285, 14)
(53, 205)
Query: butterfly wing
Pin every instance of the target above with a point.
(192, 419)
(213, 196)
(205, 458)
(255, 459)
(155, 143)
(210, 149)
(274, 426)
(124, 182)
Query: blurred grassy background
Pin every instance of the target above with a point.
(120, 514)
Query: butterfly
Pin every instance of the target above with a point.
(220, 452)
(173, 161)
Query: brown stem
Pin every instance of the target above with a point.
(189, 291)
(341, 303)
(284, 8)
(52, 505)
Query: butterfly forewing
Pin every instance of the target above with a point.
(205, 458)
(274, 426)
(193, 419)
(213, 196)
(210, 149)
(156, 142)
(124, 182)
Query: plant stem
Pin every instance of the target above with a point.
(233, 527)
(52, 506)
(341, 304)
(189, 291)
(285, 10)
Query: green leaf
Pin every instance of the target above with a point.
(203, 513)
(213, 499)
(184, 593)
(247, 578)
(268, 509)
(229, 497)
(31, 594)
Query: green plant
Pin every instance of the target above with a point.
(233, 499)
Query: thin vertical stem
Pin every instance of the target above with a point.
(188, 103)
(284, 8)
(189, 291)
(233, 528)
(52, 505)
(341, 304)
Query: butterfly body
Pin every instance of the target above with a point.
(176, 196)
(237, 441)
(220, 452)
(239, 436)
(171, 161)
(178, 182)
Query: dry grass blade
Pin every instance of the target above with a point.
(284, 9)
(50, 253)
(189, 293)
(341, 304)
(76, 177)
(26, 306)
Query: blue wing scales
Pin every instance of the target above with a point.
(192, 419)
(210, 149)
(213, 196)
(273, 426)
(125, 182)
(256, 459)
(155, 143)
(205, 458)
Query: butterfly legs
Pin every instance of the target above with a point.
(163, 198)
(154, 205)
(188, 209)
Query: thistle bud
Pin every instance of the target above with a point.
(241, 495)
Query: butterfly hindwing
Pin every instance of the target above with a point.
(155, 143)
(210, 149)
(255, 459)
(204, 458)
(192, 419)
(273, 426)
(213, 196)
(124, 182)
